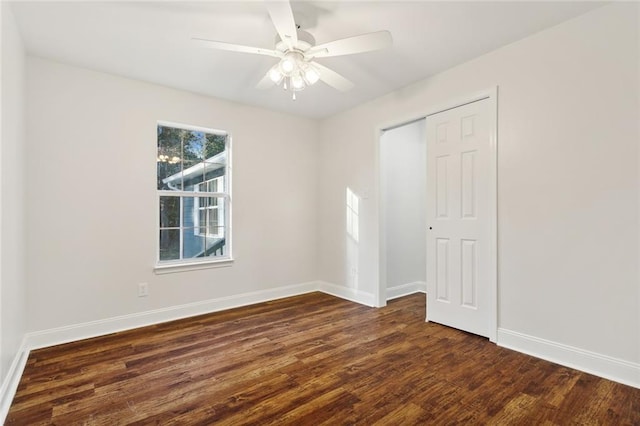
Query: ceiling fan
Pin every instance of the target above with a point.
(297, 51)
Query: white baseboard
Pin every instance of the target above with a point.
(601, 365)
(618, 370)
(347, 293)
(71, 333)
(406, 289)
(12, 379)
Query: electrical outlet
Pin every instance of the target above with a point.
(143, 290)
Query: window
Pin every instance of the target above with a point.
(194, 202)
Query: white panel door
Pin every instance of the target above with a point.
(459, 218)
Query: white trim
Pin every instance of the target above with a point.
(352, 294)
(493, 205)
(406, 289)
(191, 128)
(492, 95)
(71, 333)
(12, 379)
(601, 365)
(191, 194)
(410, 118)
(381, 289)
(611, 368)
(228, 207)
(180, 266)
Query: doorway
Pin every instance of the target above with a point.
(403, 189)
(460, 205)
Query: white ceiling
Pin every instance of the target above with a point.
(151, 41)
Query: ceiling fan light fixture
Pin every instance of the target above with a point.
(311, 75)
(275, 75)
(297, 83)
(287, 65)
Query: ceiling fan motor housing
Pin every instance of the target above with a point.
(305, 41)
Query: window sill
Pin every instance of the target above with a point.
(170, 268)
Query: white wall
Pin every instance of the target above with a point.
(567, 180)
(403, 183)
(568, 189)
(12, 176)
(91, 198)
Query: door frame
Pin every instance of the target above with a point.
(492, 95)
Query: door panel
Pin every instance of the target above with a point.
(442, 188)
(459, 218)
(442, 269)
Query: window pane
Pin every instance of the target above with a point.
(169, 244)
(169, 178)
(169, 212)
(194, 146)
(192, 243)
(214, 145)
(213, 170)
(192, 176)
(169, 157)
(212, 222)
(216, 246)
(221, 187)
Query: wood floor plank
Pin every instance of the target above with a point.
(311, 359)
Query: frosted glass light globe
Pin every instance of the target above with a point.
(287, 65)
(275, 75)
(297, 82)
(311, 76)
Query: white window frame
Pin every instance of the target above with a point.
(178, 265)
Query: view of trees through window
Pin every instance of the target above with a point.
(193, 191)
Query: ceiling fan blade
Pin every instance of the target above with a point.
(265, 82)
(212, 44)
(332, 78)
(357, 44)
(282, 17)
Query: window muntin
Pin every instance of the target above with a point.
(193, 185)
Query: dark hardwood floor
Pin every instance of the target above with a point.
(311, 359)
